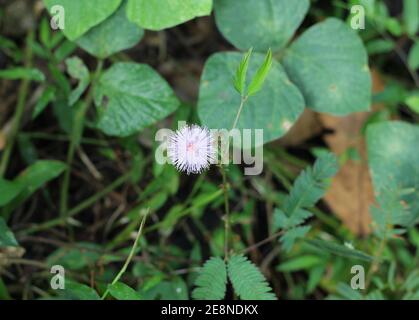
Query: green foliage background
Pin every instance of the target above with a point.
(79, 186)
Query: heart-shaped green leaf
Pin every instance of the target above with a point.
(137, 96)
(162, 14)
(114, 34)
(274, 108)
(260, 24)
(394, 159)
(81, 15)
(329, 64)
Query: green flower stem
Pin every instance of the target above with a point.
(76, 135)
(20, 108)
(130, 256)
(227, 225)
(242, 102)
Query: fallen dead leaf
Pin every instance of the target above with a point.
(306, 127)
(351, 192)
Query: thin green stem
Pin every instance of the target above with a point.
(76, 136)
(227, 225)
(130, 256)
(376, 262)
(227, 214)
(375, 265)
(20, 108)
(236, 120)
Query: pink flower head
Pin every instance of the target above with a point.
(191, 149)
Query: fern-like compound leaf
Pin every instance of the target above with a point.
(212, 280)
(248, 282)
(308, 188)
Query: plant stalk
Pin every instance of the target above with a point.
(76, 136)
(20, 108)
(227, 215)
(236, 120)
(130, 256)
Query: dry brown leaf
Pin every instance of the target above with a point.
(351, 192)
(306, 127)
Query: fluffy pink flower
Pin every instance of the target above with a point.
(191, 149)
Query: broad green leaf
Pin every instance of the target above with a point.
(390, 212)
(65, 50)
(77, 70)
(300, 263)
(261, 24)
(375, 295)
(411, 16)
(314, 277)
(393, 159)
(77, 291)
(22, 73)
(33, 178)
(378, 46)
(274, 109)
(81, 15)
(412, 101)
(241, 73)
(45, 32)
(7, 238)
(260, 77)
(329, 64)
(347, 292)
(137, 96)
(165, 290)
(114, 34)
(121, 291)
(171, 218)
(8, 191)
(162, 14)
(83, 254)
(413, 58)
(340, 250)
(393, 26)
(47, 96)
(211, 281)
(42, 171)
